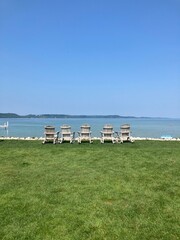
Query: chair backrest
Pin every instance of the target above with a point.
(65, 128)
(125, 128)
(85, 128)
(49, 129)
(108, 128)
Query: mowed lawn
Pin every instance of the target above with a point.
(89, 191)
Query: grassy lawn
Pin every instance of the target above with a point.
(89, 191)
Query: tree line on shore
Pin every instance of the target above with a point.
(14, 115)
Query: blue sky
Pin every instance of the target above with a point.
(90, 57)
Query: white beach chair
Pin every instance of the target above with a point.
(125, 134)
(50, 135)
(85, 134)
(66, 134)
(107, 134)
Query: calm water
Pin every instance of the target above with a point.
(23, 127)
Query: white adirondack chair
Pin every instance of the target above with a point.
(66, 134)
(107, 134)
(50, 135)
(85, 134)
(125, 134)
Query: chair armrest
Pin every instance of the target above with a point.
(102, 133)
(57, 134)
(72, 134)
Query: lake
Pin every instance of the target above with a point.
(140, 127)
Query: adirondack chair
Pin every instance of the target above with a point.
(124, 134)
(66, 134)
(85, 134)
(50, 135)
(107, 134)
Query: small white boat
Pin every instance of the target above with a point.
(5, 125)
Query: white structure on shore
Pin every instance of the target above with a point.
(5, 125)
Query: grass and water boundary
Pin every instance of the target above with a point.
(89, 191)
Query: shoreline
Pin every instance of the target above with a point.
(93, 138)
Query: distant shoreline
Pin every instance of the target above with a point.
(14, 115)
(66, 116)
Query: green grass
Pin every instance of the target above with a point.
(89, 191)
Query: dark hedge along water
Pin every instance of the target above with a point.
(140, 127)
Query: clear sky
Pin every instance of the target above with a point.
(90, 57)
